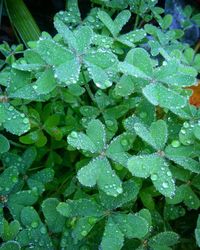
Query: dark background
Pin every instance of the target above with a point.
(44, 11)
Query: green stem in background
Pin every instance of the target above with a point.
(87, 87)
(137, 19)
(16, 144)
(22, 21)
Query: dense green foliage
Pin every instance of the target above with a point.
(99, 146)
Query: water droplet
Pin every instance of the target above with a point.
(165, 185)
(74, 134)
(92, 220)
(124, 142)
(183, 131)
(11, 108)
(91, 19)
(25, 120)
(34, 224)
(188, 141)
(119, 190)
(186, 125)
(84, 233)
(175, 143)
(14, 179)
(154, 177)
(169, 173)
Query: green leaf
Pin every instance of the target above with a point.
(151, 136)
(128, 69)
(45, 83)
(118, 147)
(4, 144)
(166, 21)
(53, 53)
(36, 137)
(15, 122)
(197, 231)
(191, 200)
(36, 230)
(83, 37)
(99, 76)
(81, 141)
(98, 62)
(8, 179)
(99, 172)
(27, 67)
(130, 191)
(108, 22)
(142, 131)
(29, 217)
(144, 165)
(66, 33)
(121, 19)
(131, 225)
(10, 230)
(167, 238)
(101, 58)
(166, 98)
(89, 111)
(97, 134)
(81, 207)
(54, 220)
(38, 180)
(173, 74)
(19, 200)
(160, 137)
(68, 72)
(156, 167)
(125, 86)
(186, 163)
(94, 141)
(82, 227)
(132, 37)
(113, 238)
(10, 245)
(140, 59)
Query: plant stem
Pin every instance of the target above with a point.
(16, 144)
(136, 22)
(88, 87)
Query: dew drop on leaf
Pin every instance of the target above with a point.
(25, 120)
(175, 143)
(34, 224)
(186, 125)
(74, 134)
(124, 142)
(154, 177)
(165, 185)
(183, 131)
(84, 233)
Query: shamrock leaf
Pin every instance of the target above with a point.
(98, 171)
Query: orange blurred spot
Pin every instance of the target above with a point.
(195, 97)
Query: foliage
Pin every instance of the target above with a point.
(99, 145)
